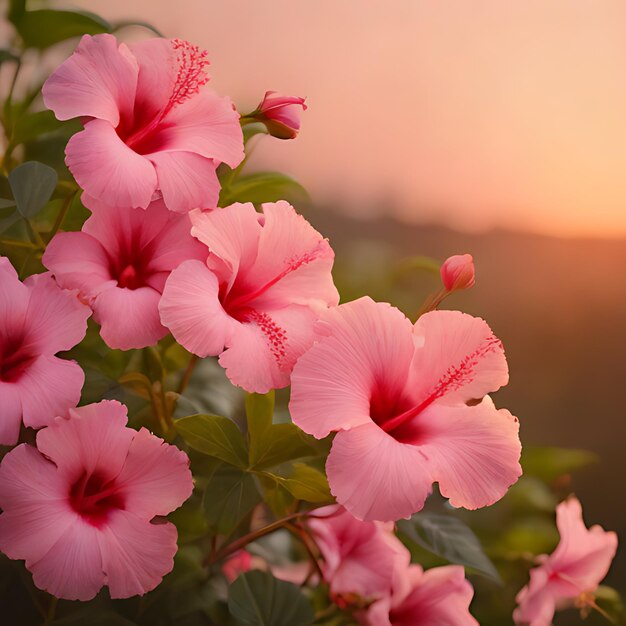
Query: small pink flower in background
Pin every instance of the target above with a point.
(358, 557)
(238, 563)
(37, 320)
(409, 405)
(151, 129)
(281, 114)
(457, 272)
(119, 263)
(266, 280)
(80, 508)
(437, 597)
(572, 573)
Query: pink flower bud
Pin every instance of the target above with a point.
(280, 114)
(238, 563)
(457, 272)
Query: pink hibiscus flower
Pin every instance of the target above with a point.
(37, 320)
(80, 508)
(439, 596)
(359, 557)
(266, 280)
(119, 263)
(409, 405)
(571, 574)
(150, 128)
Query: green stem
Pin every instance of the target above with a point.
(52, 609)
(35, 236)
(184, 381)
(61, 215)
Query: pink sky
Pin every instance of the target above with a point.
(476, 114)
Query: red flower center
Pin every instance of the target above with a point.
(94, 497)
(15, 357)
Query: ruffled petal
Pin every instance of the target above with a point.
(11, 415)
(584, 555)
(441, 596)
(190, 308)
(136, 554)
(155, 478)
(129, 318)
(362, 345)
(157, 74)
(14, 297)
(72, 568)
(392, 481)
(93, 437)
(206, 124)
(78, 261)
(99, 80)
(457, 358)
(294, 258)
(263, 350)
(32, 497)
(106, 168)
(537, 602)
(186, 180)
(56, 319)
(232, 235)
(48, 388)
(473, 451)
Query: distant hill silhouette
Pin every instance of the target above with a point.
(559, 306)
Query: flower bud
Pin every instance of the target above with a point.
(457, 272)
(280, 114)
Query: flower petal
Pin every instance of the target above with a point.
(190, 308)
(155, 478)
(129, 318)
(291, 250)
(99, 80)
(48, 388)
(473, 451)
(135, 553)
(206, 124)
(392, 480)
(105, 167)
(231, 234)
(93, 437)
(78, 261)
(457, 358)
(56, 319)
(72, 568)
(187, 180)
(361, 344)
(262, 351)
(11, 416)
(32, 496)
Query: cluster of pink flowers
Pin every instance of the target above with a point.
(409, 402)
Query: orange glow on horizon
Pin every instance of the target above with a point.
(477, 115)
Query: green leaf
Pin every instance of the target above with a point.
(32, 184)
(45, 27)
(304, 483)
(273, 444)
(216, 436)
(279, 444)
(262, 187)
(16, 10)
(8, 214)
(190, 521)
(32, 125)
(450, 538)
(258, 599)
(259, 413)
(229, 496)
(549, 463)
(126, 23)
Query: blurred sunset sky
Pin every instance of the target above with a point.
(476, 114)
